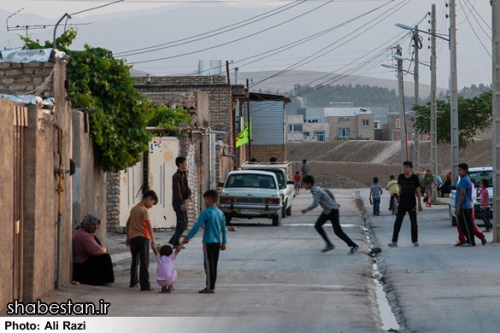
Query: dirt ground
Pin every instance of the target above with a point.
(353, 164)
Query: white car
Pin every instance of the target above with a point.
(283, 172)
(476, 175)
(251, 193)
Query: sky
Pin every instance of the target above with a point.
(347, 37)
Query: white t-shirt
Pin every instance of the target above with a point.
(165, 269)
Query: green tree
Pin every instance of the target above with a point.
(119, 112)
(474, 114)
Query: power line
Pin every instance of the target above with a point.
(192, 39)
(233, 41)
(317, 54)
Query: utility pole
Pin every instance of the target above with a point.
(496, 118)
(433, 98)
(402, 122)
(416, 161)
(454, 93)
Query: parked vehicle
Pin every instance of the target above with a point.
(251, 193)
(476, 175)
(283, 172)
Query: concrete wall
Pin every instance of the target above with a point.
(89, 181)
(7, 116)
(41, 199)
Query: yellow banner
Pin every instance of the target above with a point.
(244, 136)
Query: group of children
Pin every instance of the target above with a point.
(214, 239)
(407, 187)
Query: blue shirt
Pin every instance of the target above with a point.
(214, 223)
(376, 189)
(467, 185)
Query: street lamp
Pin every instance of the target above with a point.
(453, 81)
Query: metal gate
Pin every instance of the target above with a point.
(20, 122)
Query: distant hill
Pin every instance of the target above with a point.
(285, 82)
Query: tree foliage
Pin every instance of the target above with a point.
(119, 113)
(474, 114)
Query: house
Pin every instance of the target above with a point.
(329, 124)
(42, 196)
(350, 123)
(268, 138)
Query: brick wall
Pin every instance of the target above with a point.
(23, 78)
(264, 152)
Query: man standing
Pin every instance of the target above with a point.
(463, 204)
(139, 234)
(180, 193)
(304, 169)
(409, 185)
(326, 199)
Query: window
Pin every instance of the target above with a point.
(398, 123)
(294, 128)
(306, 134)
(366, 122)
(344, 132)
(320, 135)
(343, 119)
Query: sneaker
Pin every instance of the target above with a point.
(487, 230)
(392, 244)
(205, 291)
(354, 249)
(459, 244)
(466, 245)
(147, 289)
(164, 290)
(416, 244)
(483, 241)
(327, 248)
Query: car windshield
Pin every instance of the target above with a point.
(477, 176)
(250, 180)
(279, 175)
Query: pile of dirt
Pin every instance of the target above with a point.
(353, 164)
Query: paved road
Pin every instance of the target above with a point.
(271, 279)
(275, 279)
(438, 287)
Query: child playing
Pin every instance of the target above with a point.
(392, 186)
(485, 204)
(214, 237)
(428, 181)
(375, 192)
(297, 179)
(165, 272)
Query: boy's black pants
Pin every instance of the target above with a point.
(211, 258)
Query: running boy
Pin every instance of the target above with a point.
(326, 200)
(409, 186)
(214, 237)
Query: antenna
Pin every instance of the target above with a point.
(33, 26)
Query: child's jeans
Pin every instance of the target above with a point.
(486, 218)
(376, 206)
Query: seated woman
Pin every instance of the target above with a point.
(91, 262)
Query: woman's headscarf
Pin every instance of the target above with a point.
(88, 220)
